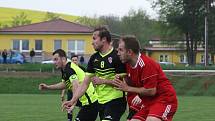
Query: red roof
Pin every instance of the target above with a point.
(53, 26)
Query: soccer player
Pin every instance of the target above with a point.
(149, 82)
(74, 59)
(72, 77)
(102, 68)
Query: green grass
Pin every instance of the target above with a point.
(26, 107)
(26, 85)
(35, 16)
(27, 67)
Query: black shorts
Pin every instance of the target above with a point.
(113, 110)
(131, 114)
(88, 112)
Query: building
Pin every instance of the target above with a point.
(45, 37)
(172, 51)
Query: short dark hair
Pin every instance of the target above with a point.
(74, 56)
(60, 52)
(103, 32)
(131, 42)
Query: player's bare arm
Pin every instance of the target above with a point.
(98, 81)
(122, 85)
(82, 88)
(58, 86)
(62, 95)
(75, 85)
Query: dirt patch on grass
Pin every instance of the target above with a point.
(28, 74)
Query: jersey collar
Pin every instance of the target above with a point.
(103, 55)
(139, 61)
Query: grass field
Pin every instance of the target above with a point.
(46, 107)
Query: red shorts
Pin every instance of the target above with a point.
(163, 111)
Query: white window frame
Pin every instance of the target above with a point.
(20, 45)
(202, 58)
(76, 51)
(185, 58)
(164, 58)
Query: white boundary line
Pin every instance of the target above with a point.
(191, 71)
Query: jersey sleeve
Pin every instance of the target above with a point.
(71, 74)
(149, 76)
(90, 68)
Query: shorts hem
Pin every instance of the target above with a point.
(139, 117)
(157, 116)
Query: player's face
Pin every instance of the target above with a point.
(122, 52)
(97, 42)
(75, 60)
(57, 61)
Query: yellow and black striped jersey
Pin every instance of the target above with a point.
(73, 72)
(106, 67)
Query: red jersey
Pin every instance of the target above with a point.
(148, 74)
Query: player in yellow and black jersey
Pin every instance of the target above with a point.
(102, 68)
(72, 77)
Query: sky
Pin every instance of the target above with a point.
(83, 7)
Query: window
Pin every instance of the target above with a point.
(203, 58)
(16, 45)
(183, 58)
(57, 44)
(25, 45)
(76, 46)
(38, 45)
(21, 45)
(161, 58)
(164, 58)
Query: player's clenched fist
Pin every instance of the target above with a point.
(43, 86)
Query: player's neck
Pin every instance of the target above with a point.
(106, 48)
(134, 60)
(64, 65)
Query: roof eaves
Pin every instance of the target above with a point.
(44, 33)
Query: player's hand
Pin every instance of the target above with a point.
(121, 85)
(68, 105)
(43, 86)
(97, 81)
(118, 76)
(136, 100)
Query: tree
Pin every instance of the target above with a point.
(139, 24)
(20, 19)
(113, 23)
(188, 17)
(51, 16)
(92, 22)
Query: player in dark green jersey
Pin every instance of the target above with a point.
(102, 68)
(72, 77)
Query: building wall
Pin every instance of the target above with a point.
(48, 41)
(174, 56)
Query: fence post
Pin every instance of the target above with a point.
(53, 70)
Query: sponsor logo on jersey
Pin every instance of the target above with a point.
(110, 60)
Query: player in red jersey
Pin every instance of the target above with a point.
(148, 81)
